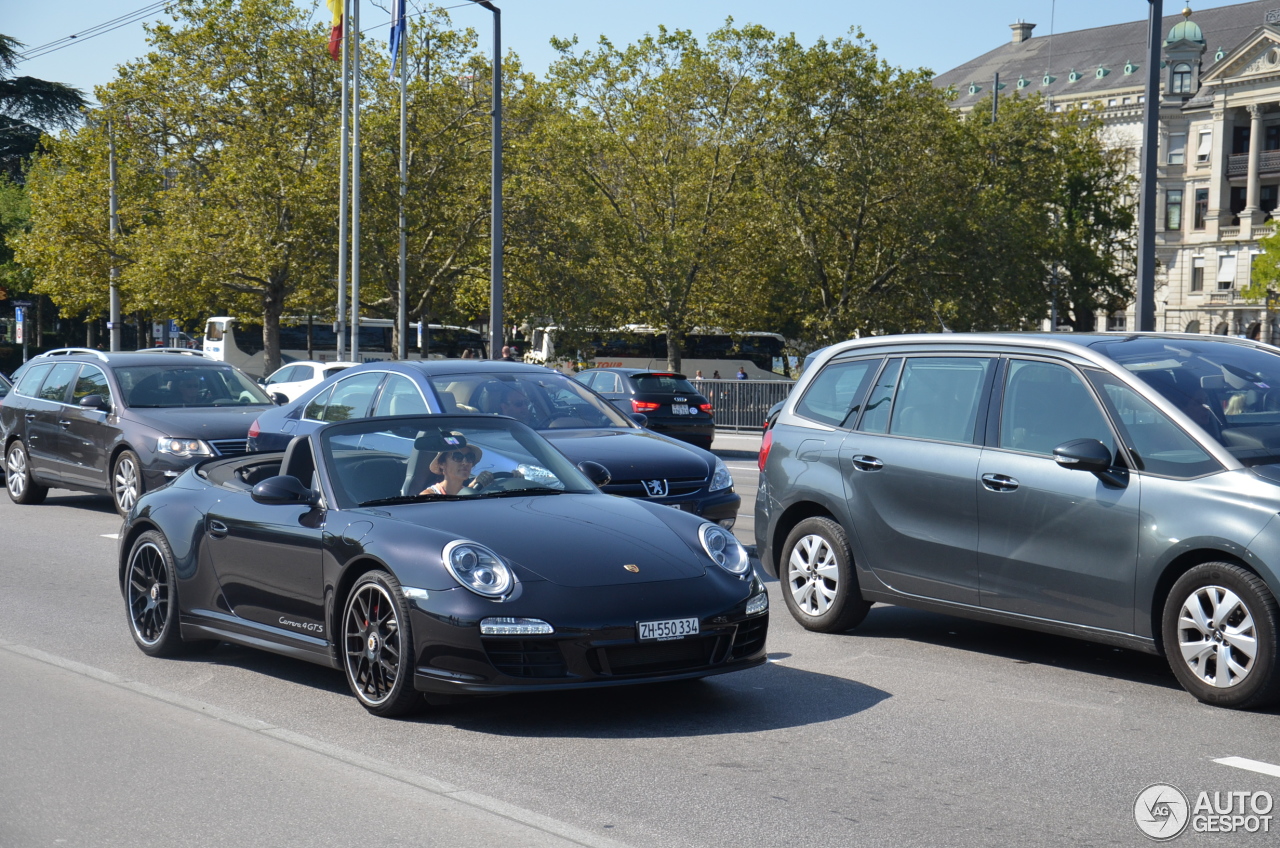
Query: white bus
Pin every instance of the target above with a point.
(239, 342)
(760, 355)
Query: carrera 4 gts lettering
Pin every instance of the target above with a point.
(309, 626)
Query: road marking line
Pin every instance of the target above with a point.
(1250, 765)
(488, 804)
(111, 535)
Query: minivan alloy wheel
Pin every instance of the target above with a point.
(23, 489)
(126, 482)
(822, 590)
(1217, 636)
(812, 574)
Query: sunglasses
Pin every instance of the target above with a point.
(459, 456)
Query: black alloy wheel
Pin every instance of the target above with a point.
(819, 584)
(151, 599)
(1220, 636)
(378, 646)
(23, 489)
(126, 481)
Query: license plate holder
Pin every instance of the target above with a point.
(666, 630)
(680, 409)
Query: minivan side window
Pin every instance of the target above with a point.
(837, 392)
(939, 398)
(31, 380)
(875, 418)
(1160, 446)
(91, 382)
(1046, 404)
(55, 385)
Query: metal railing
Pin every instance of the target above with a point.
(741, 405)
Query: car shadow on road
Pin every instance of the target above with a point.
(766, 698)
(77, 500)
(1016, 644)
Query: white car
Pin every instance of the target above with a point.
(296, 377)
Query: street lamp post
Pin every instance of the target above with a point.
(113, 323)
(1145, 305)
(496, 333)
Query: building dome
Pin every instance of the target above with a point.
(1185, 30)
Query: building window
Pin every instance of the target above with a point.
(1181, 78)
(1267, 197)
(1201, 212)
(1177, 148)
(1115, 322)
(1226, 272)
(1239, 140)
(1239, 197)
(1111, 102)
(1124, 101)
(1173, 209)
(1197, 275)
(1273, 138)
(1204, 148)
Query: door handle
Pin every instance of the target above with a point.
(64, 423)
(867, 463)
(999, 482)
(30, 416)
(217, 529)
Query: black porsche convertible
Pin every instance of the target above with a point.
(363, 547)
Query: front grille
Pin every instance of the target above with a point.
(636, 489)
(750, 636)
(230, 447)
(526, 658)
(649, 658)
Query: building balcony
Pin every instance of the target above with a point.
(1268, 163)
(1222, 297)
(1229, 232)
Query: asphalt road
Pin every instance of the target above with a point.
(914, 729)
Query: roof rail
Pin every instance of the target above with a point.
(70, 351)
(184, 350)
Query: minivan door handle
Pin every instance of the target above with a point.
(862, 462)
(999, 482)
(217, 529)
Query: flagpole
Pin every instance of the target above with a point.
(344, 156)
(354, 35)
(403, 347)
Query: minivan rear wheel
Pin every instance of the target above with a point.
(23, 489)
(819, 584)
(1219, 633)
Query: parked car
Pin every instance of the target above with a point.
(296, 377)
(670, 404)
(5, 386)
(122, 423)
(575, 419)
(1119, 488)
(524, 580)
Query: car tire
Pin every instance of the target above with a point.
(151, 599)
(22, 487)
(1219, 632)
(126, 481)
(819, 584)
(377, 646)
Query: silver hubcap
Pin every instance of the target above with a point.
(1217, 637)
(16, 473)
(812, 575)
(126, 483)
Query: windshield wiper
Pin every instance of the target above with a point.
(403, 499)
(515, 493)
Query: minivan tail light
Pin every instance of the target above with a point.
(254, 429)
(765, 444)
(644, 406)
(706, 407)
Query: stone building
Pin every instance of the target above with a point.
(1219, 143)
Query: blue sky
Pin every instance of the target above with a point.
(916, 33)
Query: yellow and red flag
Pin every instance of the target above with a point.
(335, 34)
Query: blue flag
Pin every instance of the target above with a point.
(397, 28)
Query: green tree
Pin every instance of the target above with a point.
(29, 107)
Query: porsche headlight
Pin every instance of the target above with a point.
(479, 569)
(721, 478)
(726, 550)
(183, 447)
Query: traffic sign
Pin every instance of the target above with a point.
(18, 315)
(21, 303)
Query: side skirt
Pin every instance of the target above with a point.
(206, 624)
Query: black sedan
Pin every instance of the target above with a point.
(670, 403)
(439, 554)
(579, 422)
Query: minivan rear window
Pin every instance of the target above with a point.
(836, 393)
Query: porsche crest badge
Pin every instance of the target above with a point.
(634, 569)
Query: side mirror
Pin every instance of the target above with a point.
(93, 402)
(595, 472)
(640, 418)
(280, 398)
(283, 490)
(1083, 455)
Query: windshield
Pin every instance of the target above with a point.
(543, 400)
(441, 457)
(1231, 391)
(165, 386)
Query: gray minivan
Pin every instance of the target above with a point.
(1121, 488)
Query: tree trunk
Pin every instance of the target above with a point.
(273, 307)
(673, 349)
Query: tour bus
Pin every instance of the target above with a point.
(760, 355)
(239, 342)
